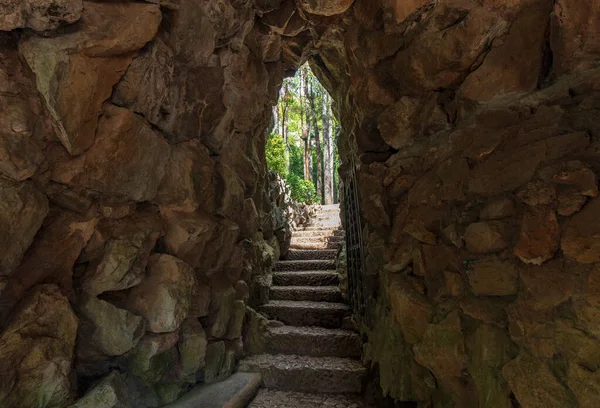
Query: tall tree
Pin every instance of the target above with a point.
(312, 97)
(328, 151)
(304, 121)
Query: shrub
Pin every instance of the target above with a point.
(275, 153)
(302, 191)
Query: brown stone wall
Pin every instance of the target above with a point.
(134, 197)
(476, 129)
(135, 213)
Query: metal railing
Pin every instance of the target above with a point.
(354, 244)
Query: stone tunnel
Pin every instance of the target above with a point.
(139, 226)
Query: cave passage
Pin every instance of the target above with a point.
(299, 203)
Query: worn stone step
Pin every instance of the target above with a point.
(315, 246)
(235, 392)
(307, 374)
(305, 265)
(268, 398)
(306, 278)
(307, 254)
(314, 341)
(311, 240)
(311, 293)
(322, 233)
(317, 228)
(306, 313)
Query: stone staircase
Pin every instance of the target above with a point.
(312, 360)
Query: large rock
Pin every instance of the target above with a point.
(188, 183)
(442, 349)
(539, 236)
(153, 357)
(165, 297)
(485, 237)
(135, 166)
(326, 7)
(84, 64)
(575, 41)
(108, 329)
(37, 351)
(581, 236)
(109, 392)
(22, 210)
(192, 348)
(53, 254)
(534, 385)
(39, 15)
(22, 117)
(121, 264)
(411, 308)
(491, 276)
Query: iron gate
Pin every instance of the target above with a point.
(354, 244)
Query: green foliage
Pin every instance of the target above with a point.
(302, 191)
(275, 152)
(296, 161)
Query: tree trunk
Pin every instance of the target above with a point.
(304, 123)
(328, 152)
(319, 154)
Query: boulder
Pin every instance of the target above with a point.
(442, 349)
(136, 164)
(39, 15)
(122, 260)
(23, 120)
(110, 392)
(85, 63)
(108, 329)
(585, 384)
(581, 236)
(37, 351)
(53, 254)
(165, 297)
(192, 348)
(497, 208)
(411, 308)
(534, 385)
(221, 311)
(22, 210)
(491, 276)
(325, 7)
(153, 357)
(574, 35)
(486, 236)
(539, 236)
(188, 183)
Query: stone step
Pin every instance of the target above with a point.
(314, 341)
(307, 278)
(305, 265)
(316, 246)
(311, 293)
(323, 233)
(316, 228)
(309, 240)
(296, 255)
(305, 313)
(307, 374)
(235, 392)
(268, 398)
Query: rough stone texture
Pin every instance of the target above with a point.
(307, 374)
(164, 298)
(473, 128)
(23, 209)
(39, 15)
(37, 350)
(314, 341)
(305, 313)
(109, 392)
(285, 399)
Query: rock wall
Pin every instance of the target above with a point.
(134, 204)
(475, 126)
